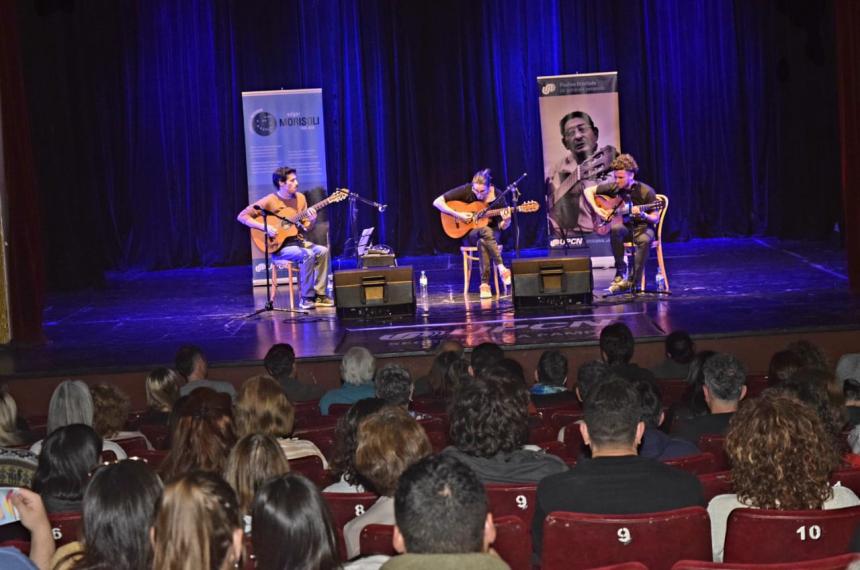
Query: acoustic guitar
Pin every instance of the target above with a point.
(618, 207)
(593, 168)
(457, 228)
(289, 222)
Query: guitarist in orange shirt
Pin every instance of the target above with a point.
(486, 238)
(312, 258)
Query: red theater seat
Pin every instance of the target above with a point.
(840, 562)
(132, 445)
(376, 539)
(695, 464)
(576, 541)
(513, 542)
(321, 436)
(66, 527)
(716, 446)
(344, 507)
(672, 391)
(312, 468)
(847, 478)
(153, 457)
(512, 500)
(767, 536)
(337, 410)
(157, 435)
(565, 417)
(719, 483)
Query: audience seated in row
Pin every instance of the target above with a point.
(723, 388)
(657, 444)
(162, 391)
(550, 387)
(357, 369)
(254, 459)
(280, 363)
(680, 351)
(432, 383)
(345, 444)
(617, 347)
(192, 364)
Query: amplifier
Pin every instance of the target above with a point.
(377, 292)
(551, 281)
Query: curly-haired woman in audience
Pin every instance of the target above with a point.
(817, 388)
(345, 443)
(489, 429)
(293, 526)
(110, 414)
(67, 456)
(262, 407)
(202, 436)
(781, 459)
(197, 525)
(117, 513)
(254, 459)
(389, 441)
(162, 391)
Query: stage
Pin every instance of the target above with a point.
(720, 288)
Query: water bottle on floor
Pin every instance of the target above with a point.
(660, 282)
(422, 285)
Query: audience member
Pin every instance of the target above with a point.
(680, 350)
(457, 375)
(254, 459)
(783, 365)
(810, 354)
(118, 507)
(162, 391)
(197, 525)
(262, 407)
(550, 386)
(724, 377)
(68, 455)
(616, 347)
(489, 429)
(110, 413)
(280, 363)
(203, 434)
(357, 369)
(389, 441)
(589, 375)
(191, 363)
(11, 434)
(394, 385)
(781, 459)
(851, 391)
(656, 444)
(442, 518)
(446, 352)
(293, 527)
(485, 355)
(848, 368)
(345, 444)
(35, 519)
(818, 388)
(615, 480)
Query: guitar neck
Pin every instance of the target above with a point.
(318, 206)
(498, 211)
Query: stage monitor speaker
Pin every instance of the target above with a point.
(551, 281)
(376, 292)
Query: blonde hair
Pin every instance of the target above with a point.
(254, 459)
(9, 434)
(262, 407)
(194, 523)
(162, 389)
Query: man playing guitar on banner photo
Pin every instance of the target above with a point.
(312, 258)
(635, 223)
(485, 238)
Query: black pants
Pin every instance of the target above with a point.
(642, 236)
(487, 242)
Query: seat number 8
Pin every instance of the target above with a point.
(359, 510)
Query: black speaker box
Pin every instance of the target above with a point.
(551, 281)
(376, 292)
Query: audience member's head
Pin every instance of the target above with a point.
(280, 361)
(848, 368)
(817, 388)
(68, 454)
(780, 453)
(110, 410)
(118, 507)
(394, 385)
(490, 414)
(680, 347)
(191, 363)
(262, 407)
(589, 375)
(484, 355)
(450, 345)
(616, 344)
(783, 365)
(514, 368)
(162, 389)
(254, 459)
(851, 391)
(202, 436)
(71, 403)
(457, 375)
(9, 433)
(358, 366)
(438, 370)
(810, 354)
(389, 441)
(197, 525)
(441, 508)
(652, 405)
(724, 382)
(552, 368)
(612, 418)
(293, 527)
(345, 439)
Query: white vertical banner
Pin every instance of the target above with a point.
(581, 135)
(282, 128)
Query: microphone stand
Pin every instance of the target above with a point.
(270, 305)
(353, 218)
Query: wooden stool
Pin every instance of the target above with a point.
(469, 255)
(290, 268)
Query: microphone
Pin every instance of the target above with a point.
(263, 211)
(381, 207)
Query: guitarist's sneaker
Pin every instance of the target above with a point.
(505, 274)
(486, 293)
(622, 286)
(324, 301)
(618, 279)
(307, 304)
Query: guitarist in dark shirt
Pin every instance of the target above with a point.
(635, 224)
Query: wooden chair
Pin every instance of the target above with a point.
(291, 268)
(767, 536)
(470, 254)
(695, 464)
(630, 247)
(840, 562)
(576, 541)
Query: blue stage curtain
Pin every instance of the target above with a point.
(729, 107)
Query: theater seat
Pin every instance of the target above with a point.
(576, 541)
(847, 478)
(344, 507)
(376, 539)
(716, 446)
(840, 562)
(312, 468)
(512, 500)
(66, 527)
(153, 457)
(767, 536)
(695, 464)
(321, 436)
(719, 483)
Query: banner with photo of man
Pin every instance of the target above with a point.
(581, 135)
(285, 128)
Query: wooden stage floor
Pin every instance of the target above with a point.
(721, 287)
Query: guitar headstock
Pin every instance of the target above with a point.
(339, 195)
(529, 207)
